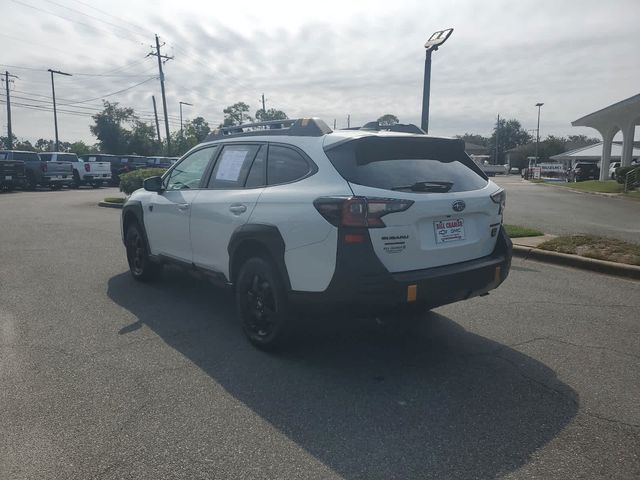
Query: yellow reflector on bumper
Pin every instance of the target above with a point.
(412, 293)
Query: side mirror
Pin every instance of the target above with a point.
(153, 184)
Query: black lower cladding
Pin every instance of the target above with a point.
(361, 280)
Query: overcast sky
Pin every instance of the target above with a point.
(326, 59)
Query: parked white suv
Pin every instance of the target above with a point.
(293, 214)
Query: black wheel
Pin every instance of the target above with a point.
(76, 180)
(55, 186)
(140, 266)
(262, 304)
(30, 182)
(97, 184)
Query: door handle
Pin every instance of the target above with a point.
(183, 206)
(237, 209)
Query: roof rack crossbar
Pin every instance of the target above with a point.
(301, 127)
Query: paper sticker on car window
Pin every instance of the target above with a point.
(231, 165)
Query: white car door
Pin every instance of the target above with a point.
(236, 183)
(167, 215)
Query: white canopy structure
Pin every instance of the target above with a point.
(593, 153)
(622, 116)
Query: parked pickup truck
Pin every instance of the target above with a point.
(117, 164)
(38, 172)
(85, 172)
(11, 174)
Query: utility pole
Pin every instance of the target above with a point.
(264, 108)
(55, 112)
(155, 114)
(348, 120)
(166, 58)
(334, 123)
(9, 132)
(538, 131)
(495, 162)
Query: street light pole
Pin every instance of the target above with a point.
(538, 132)
(182, 103)
(55, 112)
(435, 40)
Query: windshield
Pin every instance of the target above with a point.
(423, 165)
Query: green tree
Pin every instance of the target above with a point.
(236, 114)
(4, 141)
(510, 135)
(270, 114)
(23, 145)
(81, 148)
(142, 139)
(43, 145)
(197, 128)
(388, 120)
(109, 128)
(474, 138)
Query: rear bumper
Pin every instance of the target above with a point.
(62, 179)
(361, 281)
(97, 177)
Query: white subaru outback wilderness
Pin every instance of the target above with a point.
(291, 213)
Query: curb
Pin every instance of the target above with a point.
(592, 264)
(110, 205)
(598, 194)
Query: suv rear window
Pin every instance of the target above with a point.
(409, 164)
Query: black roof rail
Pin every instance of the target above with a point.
(398, 127)
(299, 127)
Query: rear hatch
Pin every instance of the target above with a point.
(452, 218)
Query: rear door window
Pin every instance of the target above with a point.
(421, 165)
(232, 166)
(285, 165)
(257, 175)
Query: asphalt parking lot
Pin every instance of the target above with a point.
(102, 377)
(562, 211)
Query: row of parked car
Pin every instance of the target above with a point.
(28, 170)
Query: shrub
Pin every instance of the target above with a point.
(132, 181)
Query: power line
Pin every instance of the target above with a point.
(80, 74)
(112, 93)
(92, 27)
(94, 17)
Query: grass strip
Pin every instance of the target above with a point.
(593, 246)
(516, 231)
(115, 199)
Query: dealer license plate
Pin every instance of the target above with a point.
(449, 230)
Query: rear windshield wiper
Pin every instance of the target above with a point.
(427, 186)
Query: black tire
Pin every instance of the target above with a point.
(30, 182)
(55, 186)
(140, 265)
(262, 304)
(97, 184)
(76, 180)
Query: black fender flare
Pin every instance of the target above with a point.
(133, 208)
(269, 238)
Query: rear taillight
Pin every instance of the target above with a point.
(87, 167)
(500, 197)
(364, 212)
(43, 166)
